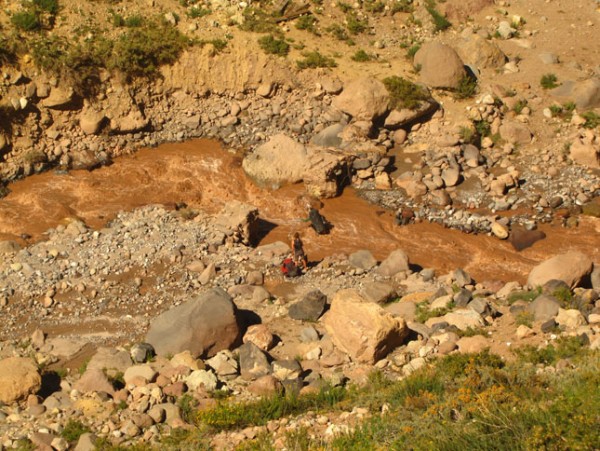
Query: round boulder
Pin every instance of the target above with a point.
(571, 268)
(364, 99)
(440, 66)
(19, 377)
(278, 162)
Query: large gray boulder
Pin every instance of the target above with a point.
(361, 328)
(310, 307)
(278, 162)
(571, 268)
(440, 66)
(544, 307)
(585, 94)
(19, 377)
(364, 99)
(203, 326)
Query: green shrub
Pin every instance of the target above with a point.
(307, 22)
(26, 21)
(196, 12)
(338, 32)
(402, 6)
(592, 120)
(374, 6)
(440, 23)
(526, 296)
(404, 93)
(188, 404)
(73, 430)
(518, 108)
(315, 59)
(467, 87)
(549, 81)
(524, 318)
(50, 6)
(141, 51)
(231, 415)
(345, 7)
(412, 51)
(258, 21)
(274, 46)
(361, 56)
(563, 348)
(355, 25)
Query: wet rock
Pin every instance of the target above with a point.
(362, 259)
(253, 362)
(363, 99)
(571, 268)
(521, 238)
(441, 67)
(309, 308)
(278, 162)
(204, 326)
(19, 377)
(363, 329)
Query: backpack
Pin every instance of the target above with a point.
(318, 222)
(289, 268)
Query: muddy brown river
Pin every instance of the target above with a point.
(205, 176)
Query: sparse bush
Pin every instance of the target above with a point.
(549, 81)
(141, 51)
(467, 87)
(374, 6)
(519, 106)
(315, 59)
(402, 6)
(592, 120)
(440, 23)
(404, 93)
(26, 21)
(196, 12)
(187, 403)
(50, 6)
(258, 21)
(345, 7)
(308, 23)
(338, 32)
(412, 51)
(524, 318)
(73, 430)
(274, 46)
(361, 56)
(355, 25)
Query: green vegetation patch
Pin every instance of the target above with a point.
(467, 87)
(315, 59)
(360, 56)
(549, 81)
(404, 93)
(592, 120)
(274, 46)
(73, 430)
(307, 22)
(440, 22)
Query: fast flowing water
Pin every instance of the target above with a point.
(205, 176)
